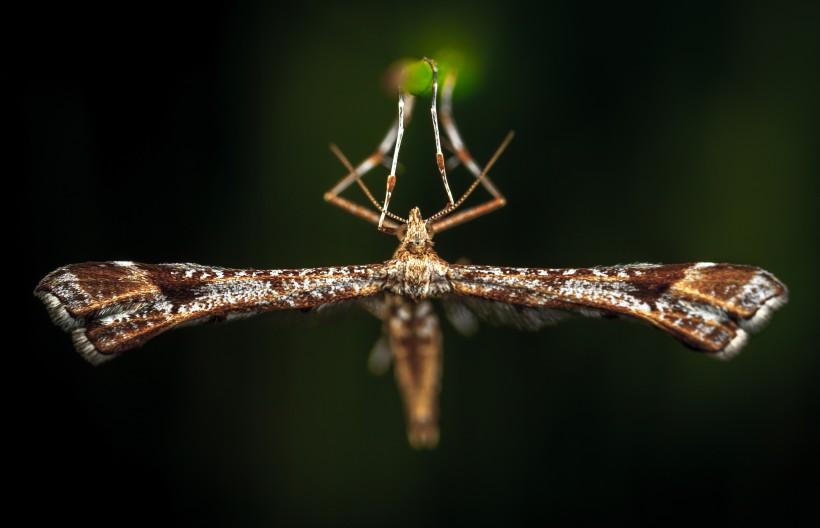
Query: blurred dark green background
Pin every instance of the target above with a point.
(165, 134)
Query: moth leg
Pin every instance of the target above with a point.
(463, 155)
(378, 157)
(442, 167)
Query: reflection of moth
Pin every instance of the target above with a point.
(111, 307)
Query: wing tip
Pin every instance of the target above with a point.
(734, 347)
(753, 324)
(87, 349)
(764, 314)
(57, 311)
(62, 318)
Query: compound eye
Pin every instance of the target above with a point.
(430, 231)
(401, 232)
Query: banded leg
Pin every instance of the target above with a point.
(439, 155)
(378, 157)
(391, 178)
(361, 211)
(440, 163)
(394, 137)
(497, 200)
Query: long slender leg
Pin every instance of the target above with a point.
(356, 209)
(473, 212)
(497, 200)
(391, 178)
(440, 163)
(439, 155)
(378, 157)
(394, 137)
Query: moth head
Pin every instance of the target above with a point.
(416, 236)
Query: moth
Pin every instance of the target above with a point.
(111, 307)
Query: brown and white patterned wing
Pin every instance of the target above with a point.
(708, 307)
(111, 307)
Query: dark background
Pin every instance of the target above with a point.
(199, 134)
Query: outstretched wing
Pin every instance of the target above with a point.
(111, 307)
(708, 307)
